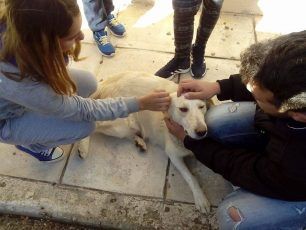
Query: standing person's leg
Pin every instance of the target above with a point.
(95, 13)
(233, 124)
(209, 17)
(115, 27)
(93, 10)
(39, 133)
(184, 12)
(244, 210)
(108, 7)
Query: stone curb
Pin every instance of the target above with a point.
(96, 208)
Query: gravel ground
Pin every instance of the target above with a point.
(9, 222)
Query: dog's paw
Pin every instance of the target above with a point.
(201, 203)
(140, 144)
(82, 153)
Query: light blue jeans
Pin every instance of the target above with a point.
(41, 132)
(233, 124)
(96, 12)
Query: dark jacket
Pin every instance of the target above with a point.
(279, 171)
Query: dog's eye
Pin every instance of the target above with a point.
(184, 110)
(201, 107)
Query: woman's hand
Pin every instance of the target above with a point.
(175, 129)
(159, 100)
(195, 89)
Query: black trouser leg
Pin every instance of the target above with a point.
(184, 12)
(209, 17)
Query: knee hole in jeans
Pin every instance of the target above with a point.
(234, 214)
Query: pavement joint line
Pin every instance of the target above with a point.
(165, 189)
(66, 163)
(169, 52)
(254, 29)
(239, 14)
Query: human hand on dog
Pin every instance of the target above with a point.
(159, 100)
(195, 89)
(175, 129)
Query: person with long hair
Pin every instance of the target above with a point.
(257, 142)
(42, 103)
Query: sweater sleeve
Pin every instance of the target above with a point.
(233, 89)
(39, 97)
(244, 168)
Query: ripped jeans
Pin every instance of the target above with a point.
(258, 212)
(233, 124)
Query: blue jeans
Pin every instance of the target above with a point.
(233, 124)
(40, 132)
(96, 12)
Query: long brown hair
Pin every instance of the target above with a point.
(33, 30)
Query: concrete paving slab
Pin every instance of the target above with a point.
(273, 23)
(148, 27)
(97, 208)
(232, 34)
(14, 162)
(242, 6)
(212, 184)
(116, 165)
(262, 35)
(133, 60)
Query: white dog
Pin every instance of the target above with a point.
(145, 125)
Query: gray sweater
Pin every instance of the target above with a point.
(28, 95)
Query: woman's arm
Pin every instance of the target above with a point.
(39, 97)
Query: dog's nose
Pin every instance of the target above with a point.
(201, 133)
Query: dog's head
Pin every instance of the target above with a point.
(189, 114)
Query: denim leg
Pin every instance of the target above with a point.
(85, 81)
(96, 11)
(257, 212)
(233, 124)
(39, 132)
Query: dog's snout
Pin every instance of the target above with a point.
(201, 133)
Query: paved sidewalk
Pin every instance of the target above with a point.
(116, 186)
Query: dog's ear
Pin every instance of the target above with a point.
(209, 103)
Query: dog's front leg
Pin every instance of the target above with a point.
(83, 147)
(200, 199)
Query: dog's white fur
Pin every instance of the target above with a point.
(145, 125)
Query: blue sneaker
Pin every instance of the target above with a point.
(115, 27)
(106, 48)
(50, 155)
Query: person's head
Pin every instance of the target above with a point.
(279, 81)
(38, 33)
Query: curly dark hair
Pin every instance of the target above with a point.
(283, 71)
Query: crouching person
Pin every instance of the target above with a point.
(42, 103)
(258, 141)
